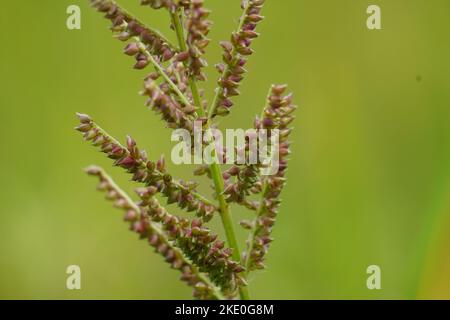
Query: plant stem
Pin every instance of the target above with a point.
(227, 221)
(216, 173)
(176, 20)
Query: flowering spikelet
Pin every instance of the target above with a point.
(248, 180)
(277, 114)
(198, 27)
(135, 161)
(247, 183)
(158, 4)
(197, 242)
(170, 97)
(162, 102)
(141, 223)
(235, 56)
(172, 91)
(244, 179)
(128, 26)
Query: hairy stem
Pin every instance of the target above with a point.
(216, 173)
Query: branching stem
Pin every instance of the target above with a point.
(216, 173)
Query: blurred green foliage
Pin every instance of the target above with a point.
(368, 180)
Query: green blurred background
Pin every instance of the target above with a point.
(369, 180)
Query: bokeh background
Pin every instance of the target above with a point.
(369, 180)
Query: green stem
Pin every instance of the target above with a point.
(216, 173)
(176, 21)
(227, 220)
